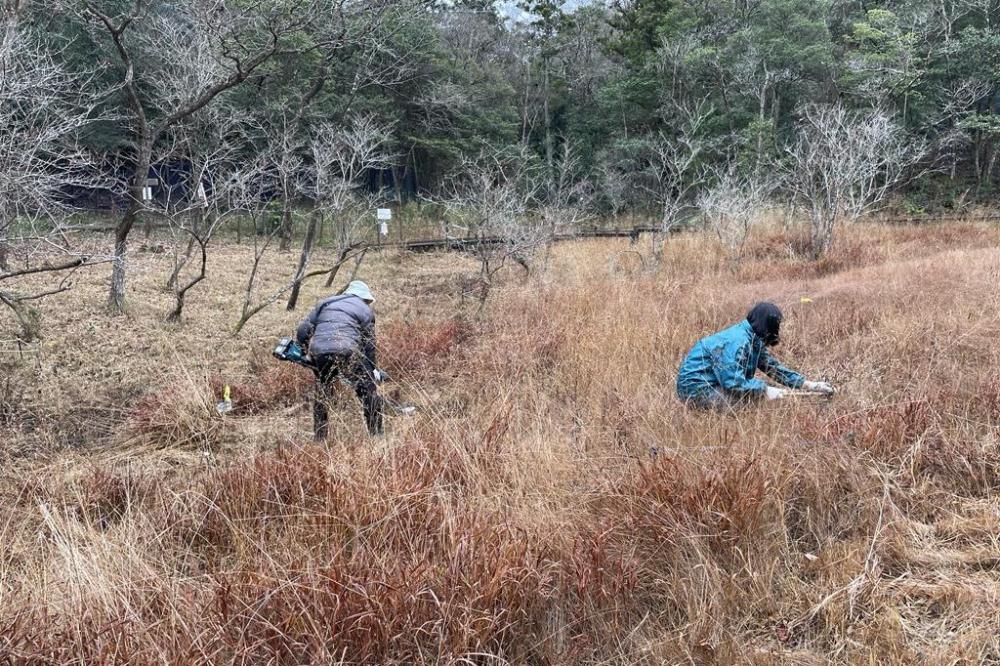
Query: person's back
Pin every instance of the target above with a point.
(704, 366)
(338, 325)
(339, 335)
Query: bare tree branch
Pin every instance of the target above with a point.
(844, 164)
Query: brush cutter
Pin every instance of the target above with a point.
(799, 393)
(290, 350)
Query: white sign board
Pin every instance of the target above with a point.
(384, 214)
(147, 194)
(383, 229)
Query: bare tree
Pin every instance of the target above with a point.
(843, 165)
(342, 30)
(254, 187)
(250, 188)
(947, 13)
(734, 204)
(959, 100)
(568, 199)
(491, 198)
(223, 45)
(754, 75)
(42, 112)
(986, 8)
(202, 197)
(672, 171)
(340, 157)
(613, 186)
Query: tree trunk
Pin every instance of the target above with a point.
(307, 247)
(358, 258)
(287, 230)
(991, 164)
(4, 249)
(822, 235)
(116, 292)
(761, 115)
(659, 243)
(976, 152)
(182, 292)
(548, 125)
(525, 126)
(183, 260)
(415, 176)
(342, 257)
(287, 224)
(397, 183)
(116, 296)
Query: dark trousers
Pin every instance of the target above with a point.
(716, 400)
(330, 368)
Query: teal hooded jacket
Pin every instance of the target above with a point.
(727, 361)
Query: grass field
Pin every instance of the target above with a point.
(551, 502)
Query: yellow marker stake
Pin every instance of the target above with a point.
(227, 404)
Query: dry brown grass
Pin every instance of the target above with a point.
(551, 502)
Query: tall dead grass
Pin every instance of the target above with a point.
(552, 502)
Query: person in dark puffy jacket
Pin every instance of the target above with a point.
(719, 370)
(339, 335)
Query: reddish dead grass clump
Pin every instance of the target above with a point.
(390, 569)
(301, 560)
(787, 253)
(522, 340)
(703, 534)
(421, 345)
(237, 504)
(181, 413)
(274, 385)
(106, 496)
(911, 436)
(177, 415)
(848, 253)
(886, 431)
(489, 595)
(726, 505)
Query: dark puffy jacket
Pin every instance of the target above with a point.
(339, 325)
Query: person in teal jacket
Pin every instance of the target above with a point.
(719, 370)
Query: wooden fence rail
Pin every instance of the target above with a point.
(431, 244)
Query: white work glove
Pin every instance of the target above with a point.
(773, 393)
(819, 387)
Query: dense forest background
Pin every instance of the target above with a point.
(602, 80)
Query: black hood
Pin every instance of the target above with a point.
(765, 320)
